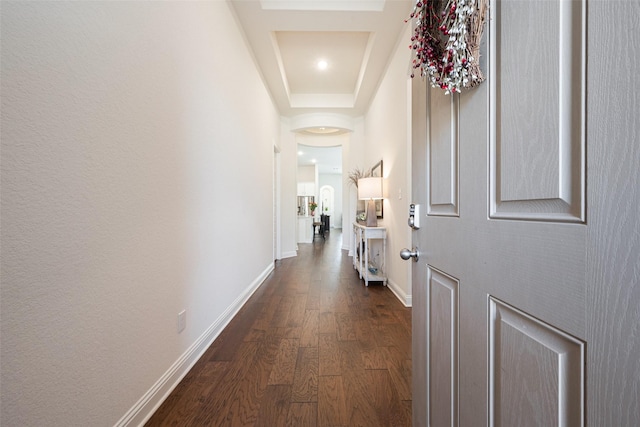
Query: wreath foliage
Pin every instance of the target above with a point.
(446, 42)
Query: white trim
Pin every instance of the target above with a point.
(399, 293)
(289, 254)
(140, 413)
(277, 216)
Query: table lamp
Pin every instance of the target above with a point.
(370, 189)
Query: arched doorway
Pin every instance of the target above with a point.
(327, 200)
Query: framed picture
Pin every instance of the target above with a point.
(376, 170)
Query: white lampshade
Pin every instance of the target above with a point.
(370, 188)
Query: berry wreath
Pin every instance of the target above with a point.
(446, 42)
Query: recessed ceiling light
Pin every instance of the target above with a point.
(322, 64)
(313, 160)
(300, 153)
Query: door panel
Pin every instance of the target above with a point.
(537, 110)
(536, 372)
(442, 155)
(442, 303)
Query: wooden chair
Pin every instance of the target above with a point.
(320, 226)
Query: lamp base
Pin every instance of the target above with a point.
(372, 218)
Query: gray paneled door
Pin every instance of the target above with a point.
(526, 294)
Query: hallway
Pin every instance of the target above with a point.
(312, 347)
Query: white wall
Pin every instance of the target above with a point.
(307, 174)
(353, 153)
(289, 190)
(124, 198)
(387, 136)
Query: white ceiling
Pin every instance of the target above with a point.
(328, 159)
(355, 37)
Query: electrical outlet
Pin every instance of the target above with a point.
(182, 320)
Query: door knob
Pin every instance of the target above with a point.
(406, 254)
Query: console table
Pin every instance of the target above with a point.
(362, 236)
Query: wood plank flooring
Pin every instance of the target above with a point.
(312, 347)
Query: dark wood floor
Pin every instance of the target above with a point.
(312, 347)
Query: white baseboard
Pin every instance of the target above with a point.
(290, 254)
(153, 398)
(399, 293)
